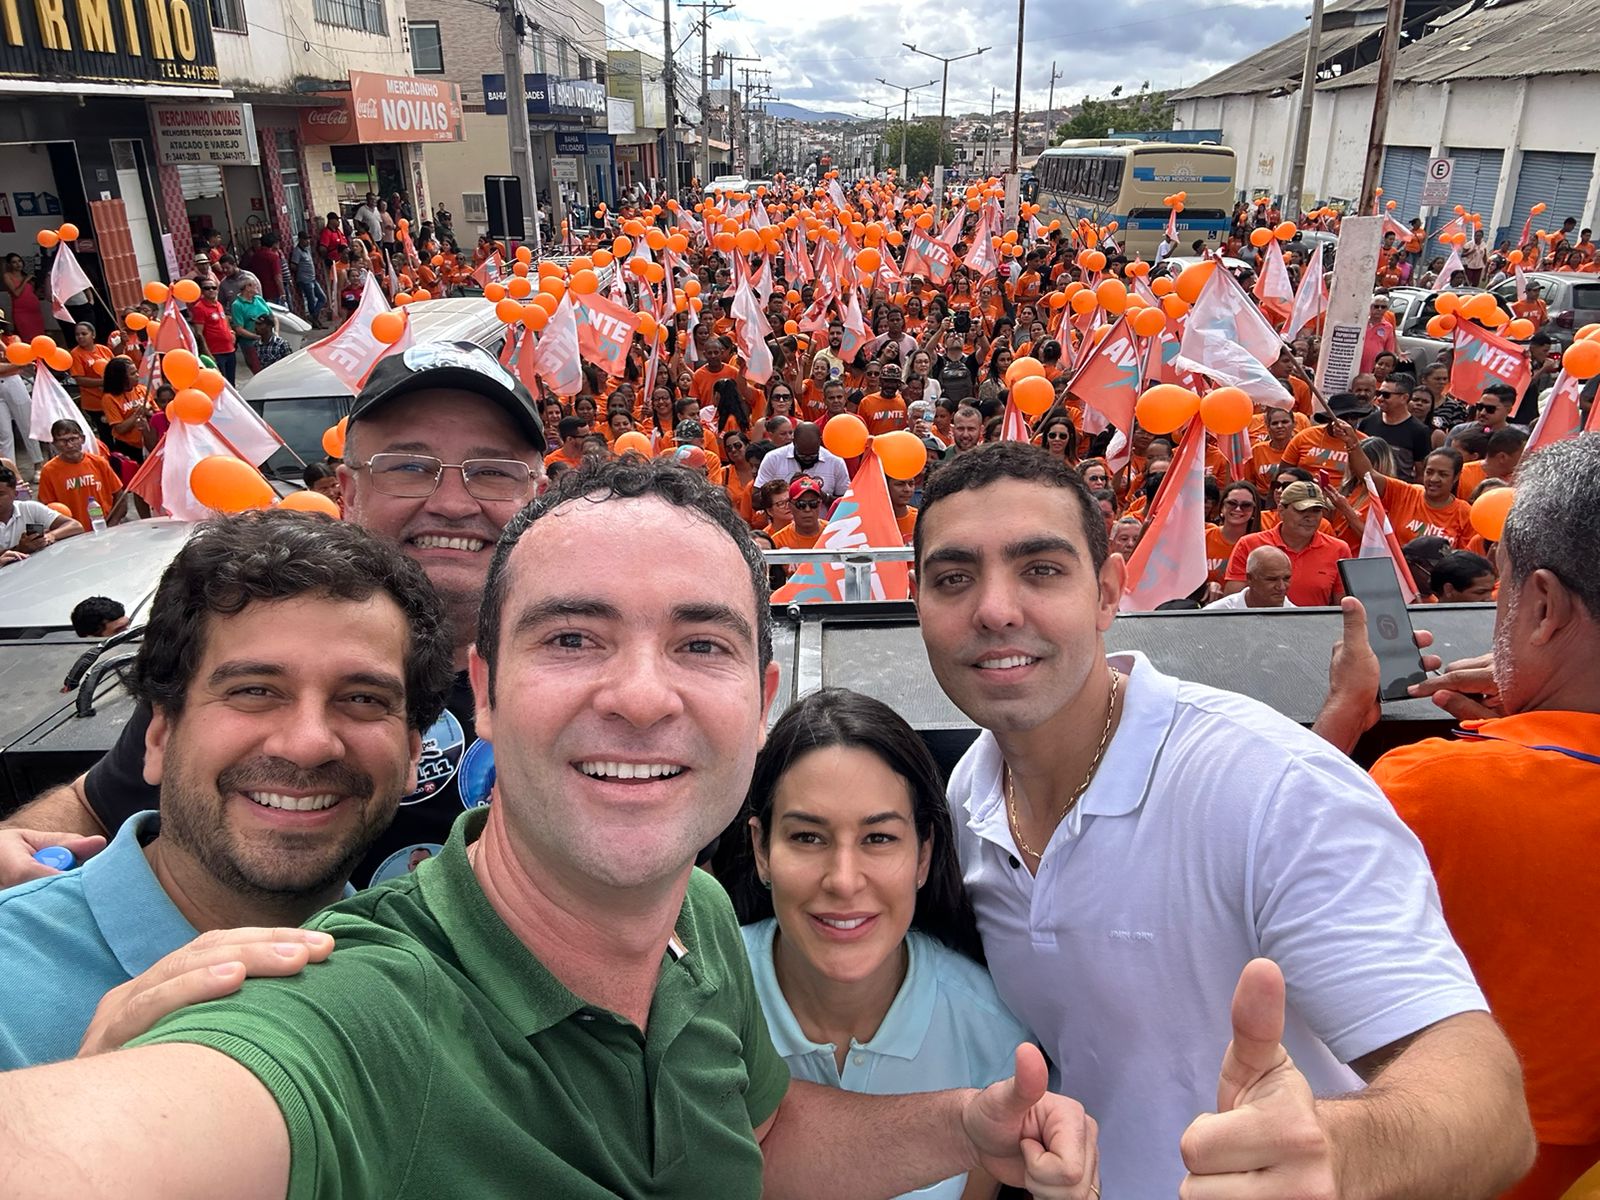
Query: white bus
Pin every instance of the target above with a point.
(1125, 180)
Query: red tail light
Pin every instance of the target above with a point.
(1564, 318)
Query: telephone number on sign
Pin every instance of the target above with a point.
(189, 72)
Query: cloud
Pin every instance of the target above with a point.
(829, 54)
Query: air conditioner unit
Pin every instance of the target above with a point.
(476, 207)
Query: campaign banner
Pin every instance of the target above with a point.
(1484, 358)
(928, 256)
(605, 331)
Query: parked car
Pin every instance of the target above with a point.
(727, 183)
(1572, 297)
(1413, 308)
(1175, 266)
(300, 398)
(292, 327)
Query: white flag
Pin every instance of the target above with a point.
(751, 328)
(66, 280)
(351, 350)
(51, 404)
(182, 447)
(1227, 338)
(556, 359)
(1311, 300)
(249, 432)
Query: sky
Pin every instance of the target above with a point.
(830, 54)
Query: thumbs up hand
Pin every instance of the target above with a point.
(1265, 1139)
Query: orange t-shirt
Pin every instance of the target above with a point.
(705, 381)
(115, 410)
(1218, 551)
(1314, 572)
(881, 413)
(788, 539)
(1218, 466)
(1258, 424)
(1264, 463)
(908, 523)
(1508, 871)
(1301, 390)
(90, 363)
(560, 455)
(1472, 474)
(72, 484)
(1319, 452)
(812, 406)
(1413, 517)
(741, 495)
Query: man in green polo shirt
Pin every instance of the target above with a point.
(557, 1004)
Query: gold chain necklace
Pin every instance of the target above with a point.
(1100, 751)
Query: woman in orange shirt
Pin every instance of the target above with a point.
(124, 408)
(89, 360)
(1241, 514)
(813, 407)
(1266, 455)
(739, 477)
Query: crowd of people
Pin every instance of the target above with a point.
(403, 833)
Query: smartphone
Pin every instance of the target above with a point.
(963, 323)
(33, 529)
(1373, 582)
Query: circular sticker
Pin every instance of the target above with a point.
(441, 754)
(404, 861)
(476, 774)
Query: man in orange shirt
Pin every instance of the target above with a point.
(884, 410)
(717, 367)
(806, 498)
(573, 431)
(1533, 308)
(1506, 810)
(1313, 555)
(1321, 449)
(905, 513)
(1429, 509)
(73, 476)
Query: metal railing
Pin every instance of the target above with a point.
(857, 584)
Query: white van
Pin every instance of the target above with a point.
(300, 398)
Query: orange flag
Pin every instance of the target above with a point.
(863, 518)
(1170, 561)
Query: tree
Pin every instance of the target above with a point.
(922, 142)
(1145, 110)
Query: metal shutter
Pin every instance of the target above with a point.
(1473, 184)
(1560, 181)
(199, 180)
(1401, 180)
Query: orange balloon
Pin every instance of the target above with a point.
(210, 382)
(604, 257)
(1148, 322)
(333, 438)
(1260, 237)
(186, 290)
(551, 286)
(654, 272)
(68, 232)
(229, 485)
(1587, 332)
(1441, 326)
(748, 241)
(43, 346)
(1174, 306)
(1033, 394)
(1447, 303)
(535, 317)
(519, 287)
(1093, 260)
(1166, 407)
(678, 243)
(388, 327)
(136, 320)
(57, 506)
(191, 406)
(902, 453)
(632, 442)
(156, 292)
(524, 254)
(19, 354)
(1023, 368)
(1489, 512)
(1083, 302)
(585, 283)
(656, 240)
(1481, 307)
(791, 327)
(508, 310)
(60, 359)
(550, 270)
(1113, 295)
(845, 435)
(494, 291)
(47, 238)
(1581, 360)
(1163, 286)
(1286, 231)
(1519, 330)
(869, 260)
(1194, 278)
(1226, 411)
(308, 501)
(181, 368)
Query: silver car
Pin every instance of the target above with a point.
(1413, 308)
(1572, 297)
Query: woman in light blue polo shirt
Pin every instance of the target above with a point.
(862, 943)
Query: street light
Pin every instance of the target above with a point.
(945, 86)
(905, 114)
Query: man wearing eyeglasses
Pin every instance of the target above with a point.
(74, 477)
(214, 323)
(1411, 440)
(443, 448)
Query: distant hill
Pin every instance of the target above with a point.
(793, 112)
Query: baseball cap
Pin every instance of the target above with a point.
(691, 456)
(458, 366)
(806, 483)
(890, 371)
(1301, 495)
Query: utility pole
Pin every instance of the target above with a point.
(905, 115)
(988, 152)
(883, 136)
(1013, 179)
(520, 139)
(1380, 105)
(736, 159)
(670, 77)
(707, 8)
(1302, 124)
(944, 87)
(1050, 104)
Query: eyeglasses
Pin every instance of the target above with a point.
(414, 476)
(1486, 408)
(1391, 392)
(1247, 505)
(782, 396)
(805, 503)
(1057, 435)
(69, 439)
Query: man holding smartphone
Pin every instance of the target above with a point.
(26, 526)
(1506, 808)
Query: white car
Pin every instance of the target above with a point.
(727, 183)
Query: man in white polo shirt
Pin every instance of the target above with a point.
(1132, 841)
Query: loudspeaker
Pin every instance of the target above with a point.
(502, 195)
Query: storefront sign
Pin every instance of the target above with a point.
(564, 170)
(205, 133)
(548, 95)
(102, 41)
(385, 108)
(571, 143)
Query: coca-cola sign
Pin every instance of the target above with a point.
(387, 108)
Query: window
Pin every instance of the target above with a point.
(294, 196)
(228, 15)
(583, 66)
(599, 70)
(561, 58)
(366, 16)
(427, 51)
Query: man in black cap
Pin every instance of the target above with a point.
(443, 448)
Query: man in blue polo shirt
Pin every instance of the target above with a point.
(291, 663)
